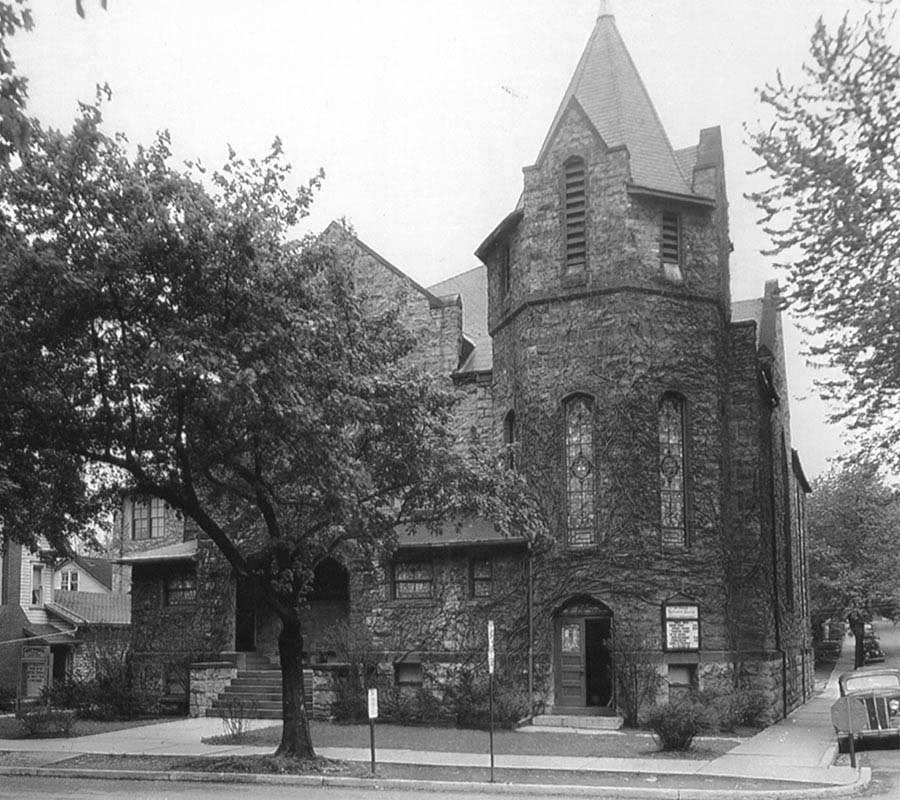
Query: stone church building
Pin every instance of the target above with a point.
(599, 339)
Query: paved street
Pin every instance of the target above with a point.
(885, 763)
(12, 788)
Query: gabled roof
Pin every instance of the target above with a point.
(100, 569)
(337, 231)
(764, 312)
(607, 86)
(84, 608)
(471, 287)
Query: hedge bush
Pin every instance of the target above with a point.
(676, 724)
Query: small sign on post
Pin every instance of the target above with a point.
(373, 715)
(490, 655)
(490, 647)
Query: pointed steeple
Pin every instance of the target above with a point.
(612, 94)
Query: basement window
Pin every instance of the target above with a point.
(408, 673)
(682, 680)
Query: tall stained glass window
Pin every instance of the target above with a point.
(580, 470)
(671, 470)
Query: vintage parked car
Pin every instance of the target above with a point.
(872, 651)
(869, 706)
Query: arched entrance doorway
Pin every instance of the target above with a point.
(583, 664)
(327, 613)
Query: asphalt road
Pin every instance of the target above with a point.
(80, 788)
(885, 763)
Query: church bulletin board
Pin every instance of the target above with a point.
(681, 627)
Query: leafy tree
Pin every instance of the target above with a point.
(172, 332)
(854, 525)
(15, 126)
(832, 210)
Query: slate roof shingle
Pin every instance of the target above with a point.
(608, 87)
(84, 608)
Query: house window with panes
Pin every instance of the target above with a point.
(671, 471)
(481, 577)
(413, 580)
(580, 470)
(670, 246)
(575, 215)
(68, 581)
(180, 588)
(148, 518)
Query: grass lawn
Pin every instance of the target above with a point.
(613, 744)
(12, 728)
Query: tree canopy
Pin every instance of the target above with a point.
(832, 209)
(854, 525)
(160, 324)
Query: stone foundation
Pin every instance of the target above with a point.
(208, 679)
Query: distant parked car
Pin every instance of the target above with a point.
(872, 651)
(869, 706)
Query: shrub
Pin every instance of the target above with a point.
(107, 692)
(730, 708)
(470, 702)
(45, 720)
(676, 724)
(235, 715)
(637, 660)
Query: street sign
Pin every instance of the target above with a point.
(490, 647)
(373, 703)
(849, 714)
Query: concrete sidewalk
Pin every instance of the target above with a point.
(799, 750)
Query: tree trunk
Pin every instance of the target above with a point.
(859, 658)
(295, 739)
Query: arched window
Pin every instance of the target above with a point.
(509, 438)
(671, 470)
(580, 470)
(575, 214)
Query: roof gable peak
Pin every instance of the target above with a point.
(609, 88)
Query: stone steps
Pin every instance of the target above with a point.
(576, 722)
(256, 690)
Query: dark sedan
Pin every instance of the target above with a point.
(869, 707)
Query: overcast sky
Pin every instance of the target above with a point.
(423, 113)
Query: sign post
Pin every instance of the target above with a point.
(491, 689)
(850, 734)
(373, 715)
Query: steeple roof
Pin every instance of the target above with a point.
(607, 86)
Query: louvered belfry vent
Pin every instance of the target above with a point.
(576, 215)
(670, 244)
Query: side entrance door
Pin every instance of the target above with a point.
(583, 668)
(570, 682)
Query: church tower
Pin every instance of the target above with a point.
(609, 306)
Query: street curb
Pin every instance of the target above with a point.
(519, 789)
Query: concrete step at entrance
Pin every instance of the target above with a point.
(261, 692)
(262, 713)
(243, 679)
(577, 721)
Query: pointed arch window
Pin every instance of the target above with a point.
(575, 214)
(673, 518)
(580, 470)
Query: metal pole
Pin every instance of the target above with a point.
(850, 735)
(530, 605)
(491, 703)
(372, 742)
